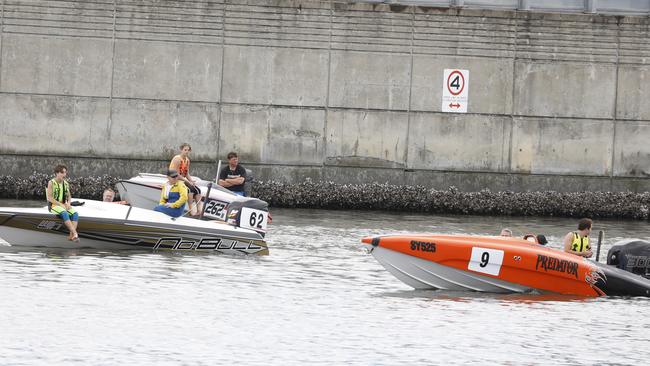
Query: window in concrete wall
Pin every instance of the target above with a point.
(631, 7)
(622, 6)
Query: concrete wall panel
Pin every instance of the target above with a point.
(457, 142)
(56, 65)
(155, 130)
(167, 70)
(60, 125)
(272, 135)
(369, 80)
(367, 138)
(490, 83)
(280, 76)
(633, 92)
(632, 151)
(565, 89)
(572, 147)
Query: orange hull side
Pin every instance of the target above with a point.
(509, 259)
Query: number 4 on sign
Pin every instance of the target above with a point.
(455, 86)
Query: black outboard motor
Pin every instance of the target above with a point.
(255, 219)
(632, 256)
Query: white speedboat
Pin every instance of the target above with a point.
(111, 226)
(143, 191)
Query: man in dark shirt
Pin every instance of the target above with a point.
(233, 175)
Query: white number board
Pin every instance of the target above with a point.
(455, 86)
(215, 209)
(486, 261)
(253, 219)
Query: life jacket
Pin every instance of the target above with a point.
(184, 168)
(59, 191)
(580, 244)
(175, 194)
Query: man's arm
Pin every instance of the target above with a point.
(183, 191)
(222, 178)
(239, 180)
(162, 196)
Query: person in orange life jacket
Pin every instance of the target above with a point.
(58, 201)
(181, 163)
(109, 196)
(173, 196)
(233, 176)
(577, 242)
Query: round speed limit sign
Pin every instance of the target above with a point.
(455, 85)
(456, 82)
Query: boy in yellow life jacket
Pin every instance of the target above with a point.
(577, 242)
(58, 201)
(173, 196)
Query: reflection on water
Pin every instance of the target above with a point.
(318, 298)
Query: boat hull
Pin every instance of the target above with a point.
(115, 227)
(498, 265)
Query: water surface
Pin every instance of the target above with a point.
(318, 298)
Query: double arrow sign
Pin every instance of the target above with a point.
(452, 105)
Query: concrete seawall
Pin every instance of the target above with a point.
(332, 91)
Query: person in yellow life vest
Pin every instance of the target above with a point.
(173, 196)
(58, 201)
(181, 163)
(577, 242)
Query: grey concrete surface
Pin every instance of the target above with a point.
(54, 65)
(366, 138)
(369, 80)
(56, 125)
(458, 142)
(272, 135)
(571, 147)
(632, 150)
(327, 90)
(167, 70)
(564, 89)
(155, 129)
(633, 90)
(280, 76)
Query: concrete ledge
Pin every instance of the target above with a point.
(23, 166)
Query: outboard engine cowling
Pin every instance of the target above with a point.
(632, 256)
(250, 213)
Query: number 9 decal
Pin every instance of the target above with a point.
(486, 260)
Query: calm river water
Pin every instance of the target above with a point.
(318, 298)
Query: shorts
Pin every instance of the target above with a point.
(194, 190)
(71, 215)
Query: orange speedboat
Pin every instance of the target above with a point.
(497, 264)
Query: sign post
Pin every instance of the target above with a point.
(454, 90)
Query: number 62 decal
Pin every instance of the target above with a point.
(486, 260)
(253, 219)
